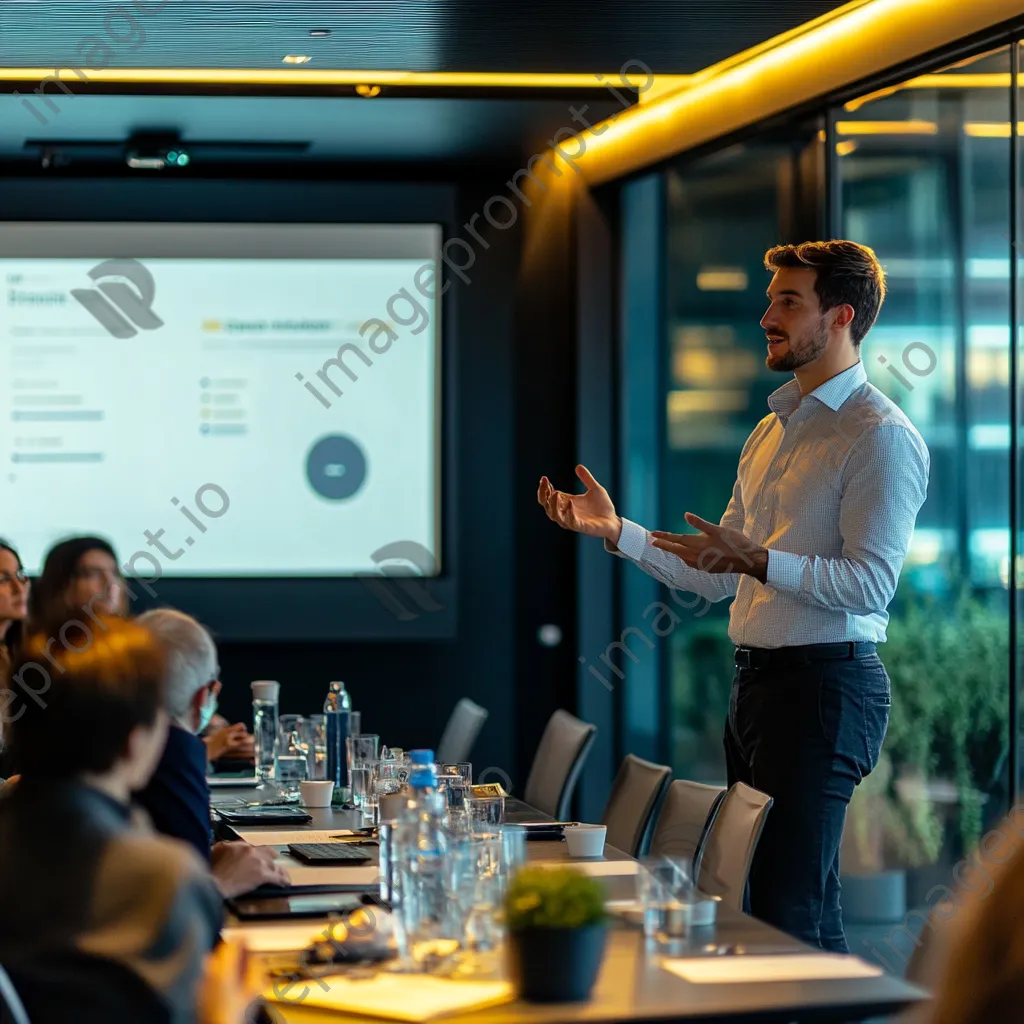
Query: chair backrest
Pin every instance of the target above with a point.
(12, 1008)
(635, 793)
(557, 764)
(684, 821)
(464, 725)
(730, 844)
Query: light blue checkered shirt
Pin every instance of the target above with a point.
(831, 485)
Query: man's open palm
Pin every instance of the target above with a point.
(591, 513)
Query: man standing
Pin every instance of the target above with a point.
(811, 547)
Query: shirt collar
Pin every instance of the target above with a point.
(832, 393)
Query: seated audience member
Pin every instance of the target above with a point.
(177, 797)
(80, 575)
(14, 591)
(231, 744)
(94, 903)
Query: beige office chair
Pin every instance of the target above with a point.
(635, 793)
(557, 764)
(464, 725)
(685, 819)
(730, 844)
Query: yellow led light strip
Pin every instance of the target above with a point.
(312, 76)
(941, 81)
(887, 128)
(861, 41)
(990, 130)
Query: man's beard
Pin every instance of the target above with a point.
(800, 355)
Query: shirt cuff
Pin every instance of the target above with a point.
(785, 570)
(632, 541)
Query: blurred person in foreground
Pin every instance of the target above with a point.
(809, 551)
(86, 888)
(177, 797)
(981, 974)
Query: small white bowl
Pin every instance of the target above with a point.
(317, 792)
(585, 840)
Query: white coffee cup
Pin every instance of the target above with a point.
(585, 840)
(317, 792)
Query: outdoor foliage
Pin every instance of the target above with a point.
(947, 660)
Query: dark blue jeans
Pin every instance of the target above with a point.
(805, 730)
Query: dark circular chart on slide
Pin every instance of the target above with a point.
(336, 467)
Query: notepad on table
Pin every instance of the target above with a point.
(276, 938)
(405, 997)
(273, 837)
(595, 868)
(727, 970)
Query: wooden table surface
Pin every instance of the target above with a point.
(634, 987)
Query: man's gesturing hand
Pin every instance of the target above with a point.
(592, 513)
(715, 549)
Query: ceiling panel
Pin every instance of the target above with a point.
(669, 36)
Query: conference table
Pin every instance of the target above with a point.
(633, 985)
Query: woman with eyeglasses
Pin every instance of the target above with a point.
(14, 591)
(79, 574)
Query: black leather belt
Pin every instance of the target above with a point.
(762, 657)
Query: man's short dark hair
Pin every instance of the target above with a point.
(84, 697)
(847, 274)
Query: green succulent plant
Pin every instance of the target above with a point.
(554, 898)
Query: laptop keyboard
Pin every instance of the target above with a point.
(329, 851)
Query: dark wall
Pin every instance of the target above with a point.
(404, 689)
(545, 444)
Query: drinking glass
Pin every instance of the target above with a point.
(386, 859)
(458, 783)
(666, 892)
(486, 812)
(364, 749)
(313, 730)
(292, 764)
(361, 789)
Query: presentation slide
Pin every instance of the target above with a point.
(222, 399)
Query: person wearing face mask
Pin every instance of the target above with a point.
(177, 797)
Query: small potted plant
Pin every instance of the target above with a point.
(557, 927)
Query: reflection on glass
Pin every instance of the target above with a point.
(934, 204)
(725, 211)
(923, 177)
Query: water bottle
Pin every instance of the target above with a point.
(423, 903)
(337, 707)
(265, 694)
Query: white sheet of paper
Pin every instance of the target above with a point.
(276, 938)
(726, 970)
(271, 838)
(407, 997)
(597, 868)
(331, 874)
